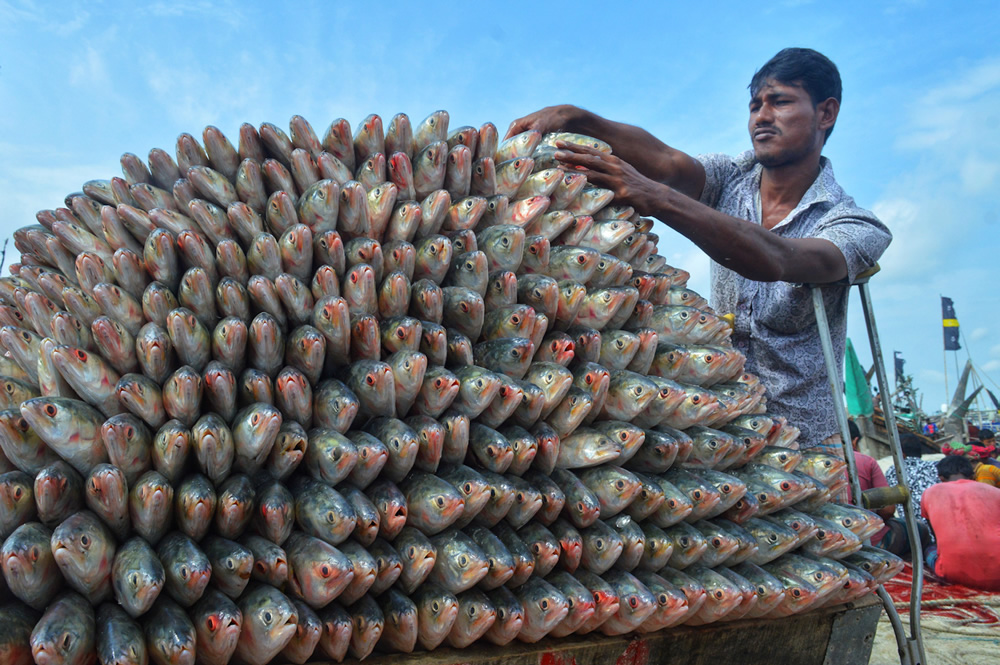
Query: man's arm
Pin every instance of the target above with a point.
(650, 156)
(746, 248)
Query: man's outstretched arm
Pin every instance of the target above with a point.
(746, 248)
(650, 156)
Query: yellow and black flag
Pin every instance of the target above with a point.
(950, 325)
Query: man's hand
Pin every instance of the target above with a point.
(611, 172)
(549, 119)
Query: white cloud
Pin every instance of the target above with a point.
(63, 22)
(979, 333)
(89, 70)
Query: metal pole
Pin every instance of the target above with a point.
(914, 642)
(836, 390)
(944, 361)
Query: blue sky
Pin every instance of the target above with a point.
(918, 139)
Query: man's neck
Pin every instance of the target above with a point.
(782, 187)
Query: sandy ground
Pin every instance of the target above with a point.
(946, 642)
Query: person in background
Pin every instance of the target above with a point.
(978, 455)
(920, 473)
(869, 476)
(989, 439)
(963, 516)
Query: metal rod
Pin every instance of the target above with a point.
(897, 627)
(836, 390)
(916, 549)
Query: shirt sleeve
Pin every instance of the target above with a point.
(878, 478)
(719, 168)
(858, 234)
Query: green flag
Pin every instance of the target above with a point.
(859, 394)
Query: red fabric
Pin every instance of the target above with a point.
(944, 599)
(963, 515)
(870, 475)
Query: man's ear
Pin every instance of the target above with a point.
(827, 110)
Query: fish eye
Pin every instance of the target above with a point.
(695, 399)
(370, 379)
(785, 486)
(85, 540)
(184, 572)
(718, 594)
(543, 603)
(796, 592)
(762, 497)
(268, 617)
(599, 544)
(619, 484)
(463, 560)
(684, 541)
(633, 602)
(716, 542)
(581, 259)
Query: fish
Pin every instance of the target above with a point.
(636, 603)
(722, 596)
(137, 576)
(418, 556)
(433, 504)
(83, 549)
(187, 569)
(65, 633)
(217, 622)
(69, 427)
(119, 638)
(400, 629)
(269, 623)
(544, 608)
(437, 611)
(29, 567)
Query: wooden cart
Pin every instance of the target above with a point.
(839, 635)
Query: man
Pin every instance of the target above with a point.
(920, 473)
(771, 219)
(962, 514)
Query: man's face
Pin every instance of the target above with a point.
(784, 125)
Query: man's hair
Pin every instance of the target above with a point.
(811, 70)
(986, 435)
(855, 431)
(910, 443)
(955, 464)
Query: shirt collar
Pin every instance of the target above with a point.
(824, 189)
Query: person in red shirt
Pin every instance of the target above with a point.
(870, 475)
(962, 513)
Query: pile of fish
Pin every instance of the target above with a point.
(316, 399)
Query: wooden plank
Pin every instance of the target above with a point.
(852, 636)
(807, 638)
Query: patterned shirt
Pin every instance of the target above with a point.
(921, 474)
(775, 322)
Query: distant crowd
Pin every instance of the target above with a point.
(957, 500)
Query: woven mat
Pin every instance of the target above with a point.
(959, 625)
